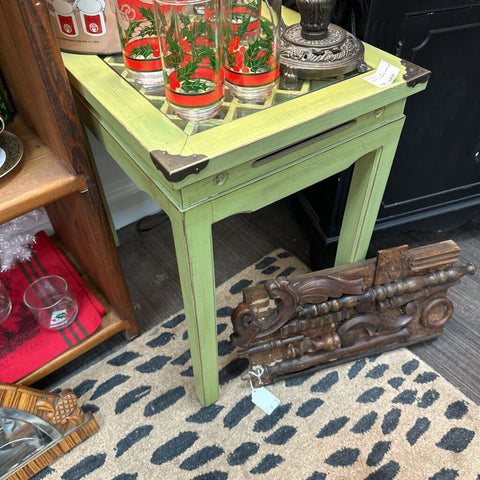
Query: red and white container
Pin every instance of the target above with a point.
(65, 18)
(92, 17)
(85, 26)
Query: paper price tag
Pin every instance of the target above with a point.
(265, 400)
(385, 75)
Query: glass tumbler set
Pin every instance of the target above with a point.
(202, 45)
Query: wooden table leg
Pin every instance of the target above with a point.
(369, 179)
(192, 232)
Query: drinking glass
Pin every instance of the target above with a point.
(51, 302)
(5, 303)
(138, 36)
(251, 47)
(190, 46)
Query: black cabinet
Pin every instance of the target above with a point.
(435, 178)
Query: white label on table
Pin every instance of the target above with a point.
(385, 75)
(265, 400)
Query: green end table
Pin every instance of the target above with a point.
(248, 157)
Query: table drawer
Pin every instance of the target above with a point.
(251, 171)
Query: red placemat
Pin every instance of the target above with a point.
(24, 344)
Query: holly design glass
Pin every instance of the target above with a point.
(190, 48)
(51, 302)
(251, 39)
(138, 37)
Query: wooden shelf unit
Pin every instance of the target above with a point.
(111, 325)
(40, 177)
(56, 170)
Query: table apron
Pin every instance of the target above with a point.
(269, 188)
(259, 181)
(301, 175)
(255, 169)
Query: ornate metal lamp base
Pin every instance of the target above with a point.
(315, 59)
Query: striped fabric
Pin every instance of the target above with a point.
(24, 344)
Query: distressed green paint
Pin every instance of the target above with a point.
(263, 191)
(369, 179)
(254, 170)
(116, 104)
(192, 233)
(252, 162)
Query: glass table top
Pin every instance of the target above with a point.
(231, 108)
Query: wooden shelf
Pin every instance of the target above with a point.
(56, 170)
(111, 325)
(40, 177)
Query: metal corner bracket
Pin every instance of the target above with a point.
(177, 167)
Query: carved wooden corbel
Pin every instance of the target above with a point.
(289, 326)
(287, 297)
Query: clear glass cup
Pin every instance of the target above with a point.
(5, 303)
(251, 47)
(190, 45)
(138, 37)
(51, 302)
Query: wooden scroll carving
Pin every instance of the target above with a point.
(37, 427)
(292, 326)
